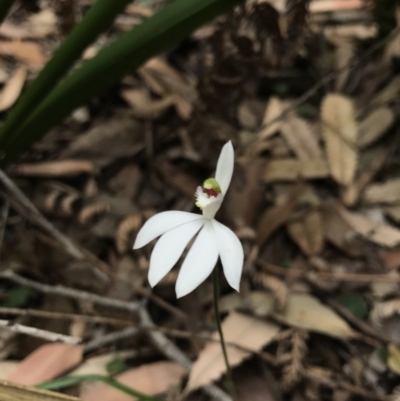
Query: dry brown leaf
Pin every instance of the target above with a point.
(13, 88)
(335, 5)
(378, 233)
(141, 11)
(278, 287)
(6, 368)
(239, 329)
(46, 363)
(376, 160)
(28, 52)
(387, 192)
(151, 379)
(43, 23)
(108, 140)
(388, 94)
(340, 132)
(393, 358)
(273, 110)
(58, 168)
(165, 80)
(97, 365)
(292, 169)
(272, 218)
(300, 138)
(344, 54)
(393, 212)
(306, 312)
(374, 126)
(360, 31)
(12, 31)
(307, 232)
(143, 106)
(302, 311)
(340, 234)
(13, 392)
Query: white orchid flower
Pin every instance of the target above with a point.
(214, 239)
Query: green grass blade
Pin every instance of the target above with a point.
(158, 33)
(64, 382)
(5, 6)
(96, 20)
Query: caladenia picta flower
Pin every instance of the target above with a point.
(213, 239)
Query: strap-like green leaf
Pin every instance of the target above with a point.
(64, 382)
(154, 35)
(96, 20)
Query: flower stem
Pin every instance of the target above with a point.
(221, 334)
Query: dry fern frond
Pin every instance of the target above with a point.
(278, 287)
(93, 210)
(293, 372)
(125, 230)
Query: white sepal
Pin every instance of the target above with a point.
(169, 249)
(161, 223)
(199, 262)
(225, 166)
(231, 253)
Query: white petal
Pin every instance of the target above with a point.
(230, 252)
(199, 262)
(169, 248)
(161, 223)
(225, 167)
(213, 207)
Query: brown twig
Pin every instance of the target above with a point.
(33, 214)
(64, 316)
(70, 292)
(39, 333)
(298, 273)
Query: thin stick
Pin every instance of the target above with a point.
(170, 350)
(221, 334)
(70, 292)
(39, 333)
(298, 273)
(64, 316)
(33, 214)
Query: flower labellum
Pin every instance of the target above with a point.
(213, 238)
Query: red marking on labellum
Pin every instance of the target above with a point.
(211, 192)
